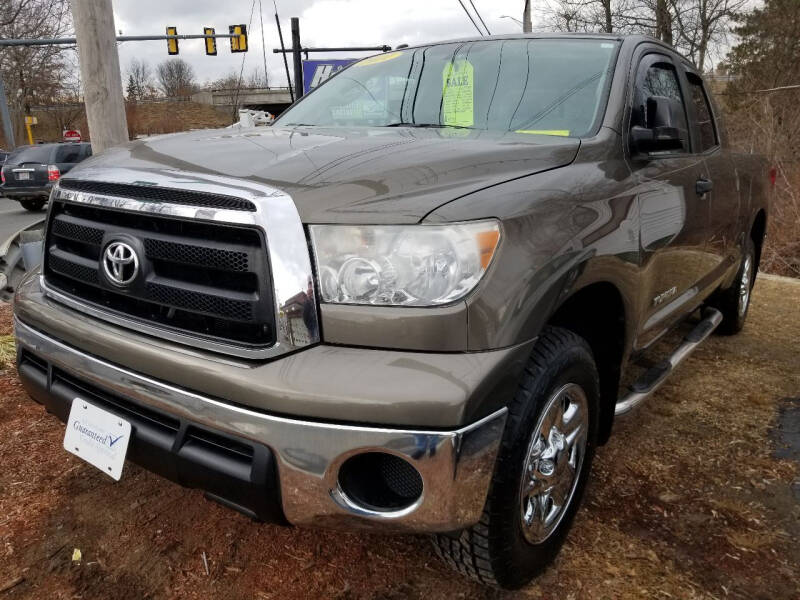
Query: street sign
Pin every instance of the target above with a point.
(317, 71)
(31, 120)
(72, 135)
(172, 45)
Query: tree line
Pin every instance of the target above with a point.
(175, 78)
(698, 29)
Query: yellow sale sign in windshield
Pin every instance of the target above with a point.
(457, 93)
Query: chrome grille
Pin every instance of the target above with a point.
(195, 255)
(200, 278)
(158, 194)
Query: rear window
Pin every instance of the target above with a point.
(705, 122)
(30, 154)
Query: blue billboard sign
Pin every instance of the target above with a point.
(317, 71)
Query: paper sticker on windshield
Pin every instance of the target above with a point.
(457, 93)
(378, 58)
(560, 132)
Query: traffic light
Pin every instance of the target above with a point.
(239, 40)
(172, 45)
(211, 43)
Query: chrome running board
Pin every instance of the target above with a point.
(652, 379)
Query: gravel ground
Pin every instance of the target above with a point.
(688, 500)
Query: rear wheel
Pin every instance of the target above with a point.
(541, 471)
(734, 303)
(32, 204)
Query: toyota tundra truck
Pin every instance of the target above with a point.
(410, 305)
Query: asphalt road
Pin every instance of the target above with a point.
(13, 218)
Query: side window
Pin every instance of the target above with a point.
(705, 121)
(68, 154)
(656, 79)
(661, 80)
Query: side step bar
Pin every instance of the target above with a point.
(652, 379)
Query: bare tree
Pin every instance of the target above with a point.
(607, 16)
(140, 81)
(235, 78)
(229, 81)
(702, 25)
(256, 79)
(664, 21)
(696, 27)
(34, 75)
(176, 78)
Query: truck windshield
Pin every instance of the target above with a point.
(548, 86)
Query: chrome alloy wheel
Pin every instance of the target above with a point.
(744, 284)
(553, 462)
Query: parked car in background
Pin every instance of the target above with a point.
(3, 156)
(28, 172)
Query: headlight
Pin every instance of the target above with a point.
(408, 265)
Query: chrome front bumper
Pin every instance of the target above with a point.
(456, 466)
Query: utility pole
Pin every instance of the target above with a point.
(526, 17)
(100, 76)
(298, 59)
(8, 127)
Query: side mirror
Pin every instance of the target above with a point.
(658, 139)
(663, 116)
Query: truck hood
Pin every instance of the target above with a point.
(340, 175)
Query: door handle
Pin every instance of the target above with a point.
(702, 186)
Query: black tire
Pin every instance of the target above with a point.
(495, 551)
(33, 204)
(729, 301)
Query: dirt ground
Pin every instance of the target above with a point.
(688, 500)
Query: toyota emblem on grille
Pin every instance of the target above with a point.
(120, 263)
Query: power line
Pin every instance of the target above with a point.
(778, 89)
(480, 17)
(470, 17)
(263, 45)
(241, 71)
(782, 88)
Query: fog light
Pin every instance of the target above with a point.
(380, 481)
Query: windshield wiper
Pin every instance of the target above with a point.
(436, 125)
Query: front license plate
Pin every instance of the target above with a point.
(23, 176)
(98, 437)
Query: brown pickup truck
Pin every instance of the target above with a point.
(409, 304)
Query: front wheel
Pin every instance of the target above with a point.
(32, 204)
(541, 471)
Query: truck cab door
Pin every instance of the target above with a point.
(723, 197)
(673, 217)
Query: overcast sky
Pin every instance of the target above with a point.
(322, 23)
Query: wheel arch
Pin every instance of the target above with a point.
(597, 313)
